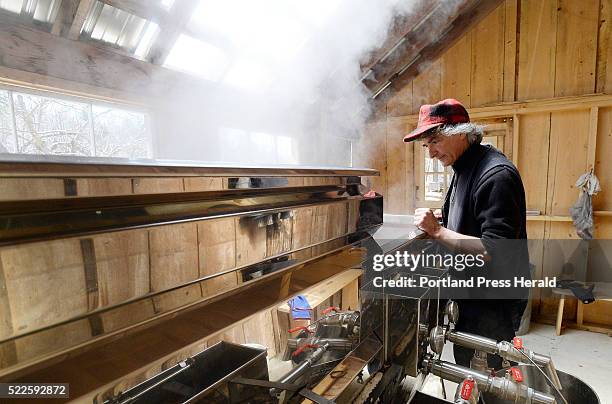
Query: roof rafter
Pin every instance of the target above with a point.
(181, 14)
(34, 51)
(463, 23)
(407, 51)
(79, 18)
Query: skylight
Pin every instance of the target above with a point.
(197, 57)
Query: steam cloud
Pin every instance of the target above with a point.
(305, 103)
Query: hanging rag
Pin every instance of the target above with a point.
(582, 211)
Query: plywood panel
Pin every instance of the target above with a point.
(217, 250)
(234, 334)
(599, 312)
(52, 340)
(30, 188)
(338, 219)
(577, 39)
(302, 231)
(45, 283)
(6, 320)
(558, 252)
(536, 64)
(320, 224)
(400, 103)
(603, 228)
(427, 87)
(397, 170)
(488, 59)
(174, 260)
(456, 71)
(103, 186)
(157, 185)
(302, 226)
(568, 158)
(295, 181)
(259, 330)
(603, 163)
(198, 184)
(604, 50)
(510, 39)
(250, 241)
(127, 315)
(122, 261)
(534, 133)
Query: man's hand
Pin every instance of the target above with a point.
(426, 220)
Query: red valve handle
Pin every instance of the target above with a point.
(303, 348)
(466, 389)
(517, 342)
(330, 309)
(517, 375)
(301, 327)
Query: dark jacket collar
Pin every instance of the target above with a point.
(470, 157)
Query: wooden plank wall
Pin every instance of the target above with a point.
(524, 50)
(45, 283)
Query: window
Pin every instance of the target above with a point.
(44, 125)
(435, 179)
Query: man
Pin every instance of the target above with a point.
(484, 204)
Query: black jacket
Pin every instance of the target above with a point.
(487, 200)
(486, 197)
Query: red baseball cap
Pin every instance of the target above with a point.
(449, 111)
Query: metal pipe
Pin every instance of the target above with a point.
(301, 369)
(334, 343)
(473, 341)
(506, 350)
(498, 386)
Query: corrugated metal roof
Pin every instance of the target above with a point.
(40, 10)
(117, 27)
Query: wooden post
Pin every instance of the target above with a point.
(560, 314)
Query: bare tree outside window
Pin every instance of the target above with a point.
(120, 133)
(36, 124)
(51, 126)
(7, 136)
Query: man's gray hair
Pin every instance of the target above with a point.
(472, 130)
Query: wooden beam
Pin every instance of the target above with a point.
(592, 140)
(469, 18)
(427, 31)
(529, 107)
(515, 138)
(181, 14)
(65, 16)
(30, 50)
(79, 18)
(402, 26)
